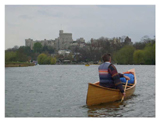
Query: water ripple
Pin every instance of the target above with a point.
(60, 91)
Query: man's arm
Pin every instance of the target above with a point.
(122, 75)
(116, 77)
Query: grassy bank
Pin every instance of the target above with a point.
(18, 64)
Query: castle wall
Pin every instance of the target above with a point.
(61, 43)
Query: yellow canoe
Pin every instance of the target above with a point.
(98, 94)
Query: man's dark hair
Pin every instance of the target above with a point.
(106, 57)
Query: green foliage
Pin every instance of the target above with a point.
(69, 57)
(47, 60)
(138, 57)
(44, 59)
(48, 49)
(124, 55)
(149, 54)
(10, 56)
(53, 60)
(139, 45)
(41, 58)
(128, 55)
(37, 47)
(21, 55)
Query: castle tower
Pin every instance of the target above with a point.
(64, 40)
(60, 32)
(29, 42)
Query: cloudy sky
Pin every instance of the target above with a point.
(40, 22)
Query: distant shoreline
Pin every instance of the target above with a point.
(19, 64)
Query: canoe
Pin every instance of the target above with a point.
(87, 65)
(98, 94)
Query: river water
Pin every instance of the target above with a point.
(60, 91)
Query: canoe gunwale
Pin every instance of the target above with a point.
(111, 89)
(104, 87)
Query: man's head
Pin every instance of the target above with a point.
(106, 57)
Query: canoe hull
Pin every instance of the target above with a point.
(98, 94)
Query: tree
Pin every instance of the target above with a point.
(21, 56)
(139, 45)
(124, 55)
(69, 57)
(145, 39)
(45, 48)
(50, 49)
(149, 52)
(10, 56)
(138, 57)
(37, 47)
(53, 60)
(44, 59)
(47, 60)
(15, 48)
(122, 39)
(41, 58)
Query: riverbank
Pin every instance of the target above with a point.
(18, 64)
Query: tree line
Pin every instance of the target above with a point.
(131, 55)
(142, 52)
(25, 54)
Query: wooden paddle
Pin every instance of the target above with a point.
(124, 90)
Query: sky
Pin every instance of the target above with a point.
(40, 22)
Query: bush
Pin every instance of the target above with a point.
(44, 59)
(53, 60)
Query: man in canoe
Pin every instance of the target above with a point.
(109, 77)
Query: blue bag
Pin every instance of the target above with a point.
(131, 76)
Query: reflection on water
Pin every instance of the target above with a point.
(112, 109)
(103, 110)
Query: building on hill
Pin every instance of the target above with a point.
(128, 41)
(64, 52)
(29, 42)
(61, 43)
(64, 40)
(79, 42)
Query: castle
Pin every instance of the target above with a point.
(64, 41)
(61, 43)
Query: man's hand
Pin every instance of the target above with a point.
(126, 77)
(123, 94)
